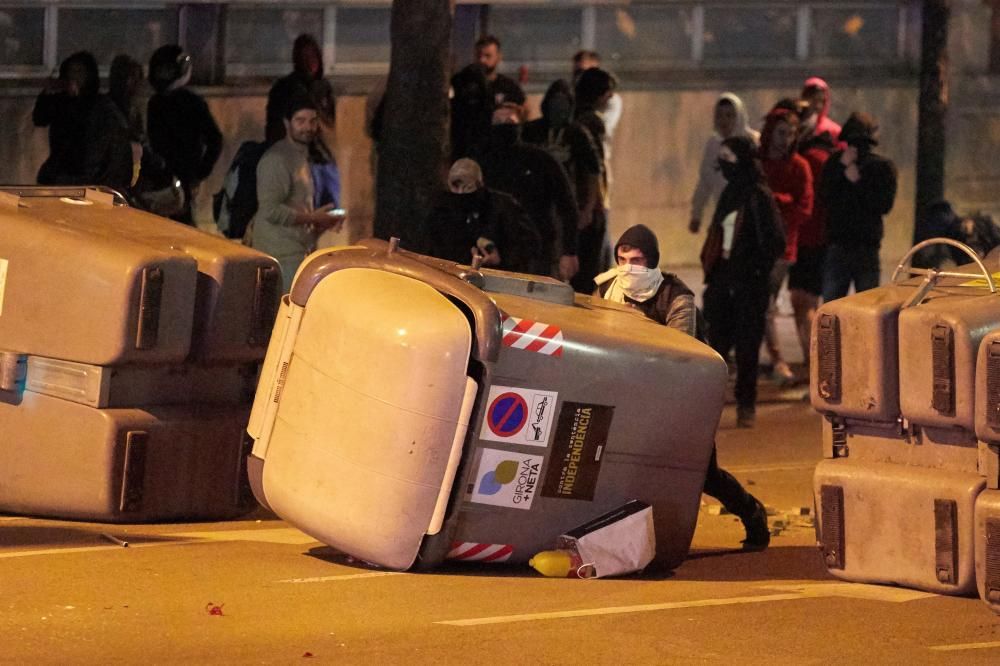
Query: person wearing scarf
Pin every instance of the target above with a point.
(663, 297)
(744, 240)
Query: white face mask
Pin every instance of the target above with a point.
(639, 282)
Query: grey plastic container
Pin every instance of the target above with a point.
(613, 407)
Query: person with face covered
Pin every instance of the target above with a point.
(816, 93)
(729, 119)
(181, 128)
(744, 240)
(88, 135)
(788, 176)
(579, 153)
(470, 221)
(637, 281)
(537, 181)
(857, 188)
(288, 222)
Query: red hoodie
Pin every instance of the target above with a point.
(823, 121)
(791, 182)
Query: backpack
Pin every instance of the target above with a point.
(236, 203)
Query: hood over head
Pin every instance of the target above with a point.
(305, 48)
(814, 82)
(642, 237)
(557, 105)
(743, 127)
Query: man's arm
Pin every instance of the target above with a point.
(683, 315)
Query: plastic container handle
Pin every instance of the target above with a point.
(933, 274)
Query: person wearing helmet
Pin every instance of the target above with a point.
(181, 127)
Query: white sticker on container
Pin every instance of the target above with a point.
(506, 479)
(518, 415)
(3, 282)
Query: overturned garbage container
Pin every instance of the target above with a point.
(411, 410)
(898, 373)
(129, 349)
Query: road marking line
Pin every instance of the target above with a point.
(618, 610)
(279, 535)
(966, 646)
(89, 549)
(326, 579)
(794, 592)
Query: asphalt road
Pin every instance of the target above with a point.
(259, 591)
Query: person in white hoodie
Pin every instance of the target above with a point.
(730, 119)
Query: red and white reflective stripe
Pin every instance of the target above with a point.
(533, 336)
(479, 552)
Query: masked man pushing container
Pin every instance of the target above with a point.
(664, 298)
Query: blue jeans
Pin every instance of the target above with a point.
(844, 265)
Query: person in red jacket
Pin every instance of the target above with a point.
(805, 277)
(790, 180)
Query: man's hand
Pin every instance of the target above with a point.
(320, 219)
(849, 156)
(852, 173)
(694, 225)
(491, 258)
(569, 265)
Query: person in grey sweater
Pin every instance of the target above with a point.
(287, 223)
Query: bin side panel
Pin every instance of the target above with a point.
(904, 525)
(60, 459)
(633, 414)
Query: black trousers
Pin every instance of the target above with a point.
(724, 487)
(735, 308)
(594, 252)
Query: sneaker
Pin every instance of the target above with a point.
(745, 417)
(782, 374)
(758, 534)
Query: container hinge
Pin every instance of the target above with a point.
(839, 438)
(828, 351)
(150, 300)
(946, 540)
(134, 471)
(832, 526)
(13, 370)
(943, 365)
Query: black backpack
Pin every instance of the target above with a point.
(236, 203)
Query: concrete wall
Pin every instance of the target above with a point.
(655, 161)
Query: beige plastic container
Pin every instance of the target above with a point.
(897, 524)
(237, 292)
(60, 459)
(86, 294)
(988, 548)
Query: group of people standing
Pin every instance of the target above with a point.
(803, 200)
(528, 196)
(102, 139)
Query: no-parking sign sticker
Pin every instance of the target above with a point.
(518, 415)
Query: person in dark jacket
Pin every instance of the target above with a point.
(181, 127)
(594, 87)
(537, 181)
(573, 146)
(306, 78)
(470, 220)
(88, 136)
(471, 112)
(663, 297)
(857, 188)
(744, 240)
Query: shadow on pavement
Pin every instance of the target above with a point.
(776, 563)
(14, 537)
(781, 563)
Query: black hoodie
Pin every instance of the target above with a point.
(301, 81)
(855, 210)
